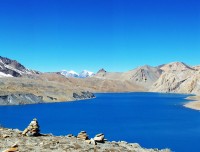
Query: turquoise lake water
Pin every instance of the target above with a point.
(153, 120)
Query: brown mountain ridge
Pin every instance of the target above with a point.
(175, 77)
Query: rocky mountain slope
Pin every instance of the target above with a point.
(196, 67)
(11, 68)
(178, 78)
(19, 85)
(143, 76)
(176, 66)
(49, 87)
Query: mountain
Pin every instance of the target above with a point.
(85, 74)
(176, 66)
(143, 76)
(178, 78)
(196, 67)
(69, 74)
(175, 77)
(73, 74)
(11, 68)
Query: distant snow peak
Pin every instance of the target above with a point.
(86, 73)
(73, 74)
(69, 74)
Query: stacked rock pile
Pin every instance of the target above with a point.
(99, 138)
(83, 135)
(33, 129)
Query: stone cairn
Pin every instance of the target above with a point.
(99, 138)
(33, 129)
(83, 135)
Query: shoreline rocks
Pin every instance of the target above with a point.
(28, 98)
(20, 99)
(83, 95)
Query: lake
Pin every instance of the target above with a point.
(153, 120)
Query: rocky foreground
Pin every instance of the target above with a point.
(14, 140)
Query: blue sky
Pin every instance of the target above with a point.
(118, 35)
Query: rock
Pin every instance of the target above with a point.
(83, 135)
(5, 136)
(99, 138)
(15, 145)
(70, 135)
(93, 142)
(83, 95)
(14, 148)
(88, 141)
(33, 129)
(11, 150)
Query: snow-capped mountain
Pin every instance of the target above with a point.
(73, 74)
(11, 68)
(69, 74)
(85, 74)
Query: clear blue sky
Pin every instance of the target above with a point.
(118, 35)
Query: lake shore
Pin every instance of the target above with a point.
(194, 104)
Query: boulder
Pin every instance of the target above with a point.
(99, 138)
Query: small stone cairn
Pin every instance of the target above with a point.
(33, 129)
(99, 138)
(83, 135)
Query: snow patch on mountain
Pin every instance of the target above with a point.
(13, 68)
(5, 75)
